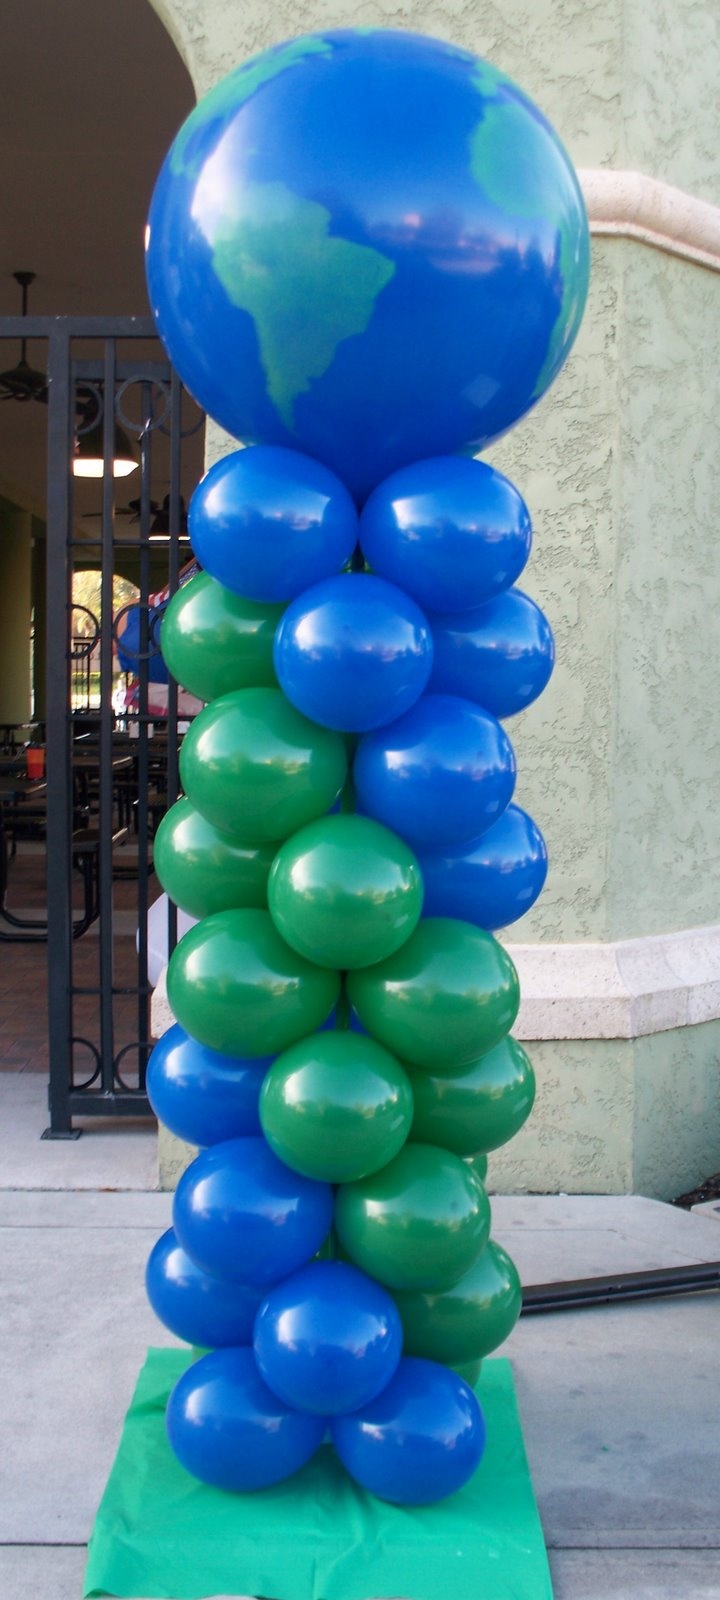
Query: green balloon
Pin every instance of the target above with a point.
(257, 769)
(446, 997)
(469, 1370)
(236, 986)
(345, 891)
(420, 1223)
(478, 1165)
(214, 641)
(469, 1320)
(203, 870)
(478, 1108)
(336, 1107)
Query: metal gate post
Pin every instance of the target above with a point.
(59, 772)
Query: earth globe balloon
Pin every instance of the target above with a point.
(345, 239)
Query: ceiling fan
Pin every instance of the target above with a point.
(159, 513)
(23, 382)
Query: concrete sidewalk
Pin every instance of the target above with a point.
(619, 1405)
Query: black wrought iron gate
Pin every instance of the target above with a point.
(112, 768)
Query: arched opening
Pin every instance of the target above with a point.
(92, 97)
(86, 628)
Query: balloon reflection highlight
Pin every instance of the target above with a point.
(419, 1223)
(493, 880)
(241, 1215)
(206, 1311)
(353, 653)
(451, 531)
(441, 774)
(345, 892)
(258, 770)
(204, 870)
(215, 641)
(448, 995)
(328, 1339)
(236, 986)
(268, 522)
(419, 1441)
(200, 1095)
(336, 1107)
(228, 1429)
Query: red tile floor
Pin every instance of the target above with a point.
(23, 971)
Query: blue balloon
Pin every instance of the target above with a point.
(243, 1215)
(451, 531)
(492, 881)
(229, 1430)
(267, 522)
(328, 1339)
(501, 655)
(419, 1441)
(353, 653)
(203, 1310)
(370, 246)
(200, 1095)
(128, 645)
(441, 774)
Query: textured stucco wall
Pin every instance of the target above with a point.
(670, 108)
(564, 460)
(618, 463)
(664, 825)
(566, 53)
(676, 1130)
(579, 1139)
(620, 759)
(618, 1116)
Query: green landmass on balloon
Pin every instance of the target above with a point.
(488, 79)
(523, 176)
(306, 289)
(233, 90)
(570, 311)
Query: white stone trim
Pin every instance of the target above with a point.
(623, 990)
(598, 991)
(635, 206)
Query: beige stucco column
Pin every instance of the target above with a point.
(15, 612)
(620, 759)
(39, 604)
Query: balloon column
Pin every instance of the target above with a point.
(368, 257)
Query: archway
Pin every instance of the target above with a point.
(92, 97)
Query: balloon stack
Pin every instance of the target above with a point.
(365, 294)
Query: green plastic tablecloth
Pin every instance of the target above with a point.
(159, 1533)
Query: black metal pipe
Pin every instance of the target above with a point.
(581, 1293)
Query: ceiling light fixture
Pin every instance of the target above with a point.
(89, 447)
(23, 382)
